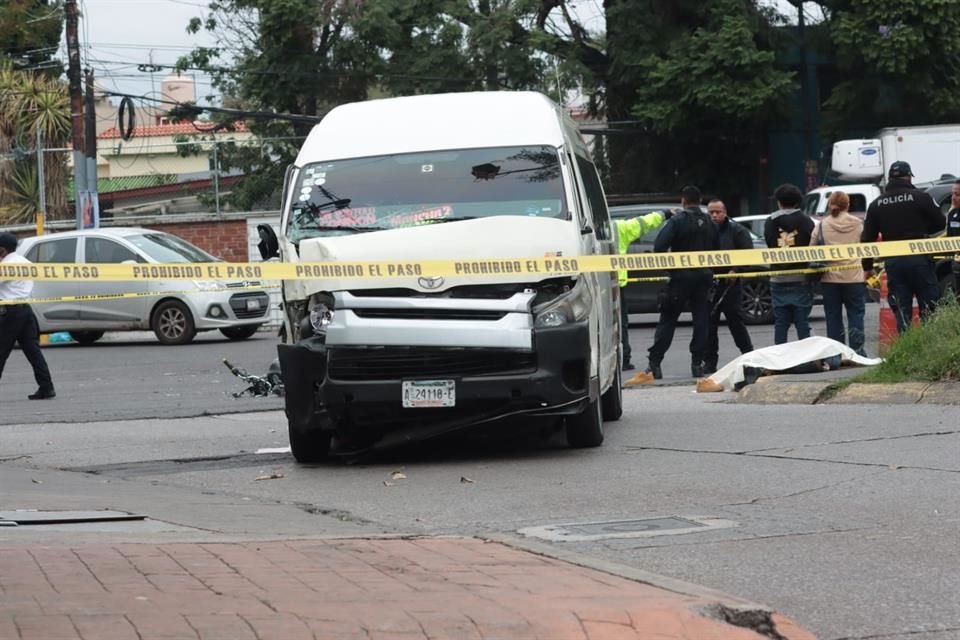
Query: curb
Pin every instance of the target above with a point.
(623, 571)
(822, 392)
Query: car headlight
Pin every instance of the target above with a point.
(209, 285)
(321, 314)
(571, 306)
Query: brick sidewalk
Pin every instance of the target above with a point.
(340, 589)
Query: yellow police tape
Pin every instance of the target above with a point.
(472, 267)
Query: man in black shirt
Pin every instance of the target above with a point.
(904, 212)
(729, 296)
(953, 229)
(791, 294)
(689, 230)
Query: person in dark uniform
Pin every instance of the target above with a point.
(904, 212)
(728, 298)
(953, 230)
(17, 322)
(691, 229)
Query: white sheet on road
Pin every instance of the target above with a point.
(785, 356)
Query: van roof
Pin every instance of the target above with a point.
(434, 123)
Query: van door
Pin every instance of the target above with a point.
(600, 242)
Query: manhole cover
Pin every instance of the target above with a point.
(639, 528)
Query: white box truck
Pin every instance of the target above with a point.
(933, 152)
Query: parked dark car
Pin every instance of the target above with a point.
(642, 297)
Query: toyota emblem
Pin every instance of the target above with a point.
(430, 283)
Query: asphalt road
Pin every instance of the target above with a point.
(131, 375)
(844, 518)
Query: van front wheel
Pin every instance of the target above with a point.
(612, 401)
(586, 428)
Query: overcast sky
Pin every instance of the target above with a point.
(119, 35)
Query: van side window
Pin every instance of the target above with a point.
(54, 251)
(598, 204)
(103, 251)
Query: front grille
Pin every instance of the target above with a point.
(243, 285)
(430, 314)
(393, 363)
(238, 302)
(475, 291)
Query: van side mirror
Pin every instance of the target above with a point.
(269, 246)
(586, 230)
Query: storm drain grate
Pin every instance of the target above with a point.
(639, 528)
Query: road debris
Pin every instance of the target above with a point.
(398, 475)
(465, 480)
(259, 386)
(270, 476)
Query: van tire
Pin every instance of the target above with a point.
(86, 338)
(172, 323)
(612, 400)
(309, 447)
(586, 428)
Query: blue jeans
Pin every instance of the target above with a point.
(838, 296)
(792, 302)
(909, 276)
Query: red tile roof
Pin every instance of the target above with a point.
(179, 128)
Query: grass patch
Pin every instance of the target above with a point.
(929, 352)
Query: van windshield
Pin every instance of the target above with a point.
(390, 192)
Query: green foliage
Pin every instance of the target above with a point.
(30, 33)
(899, 62)
(929, 352)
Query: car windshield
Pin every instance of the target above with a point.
(164, 247)
(389, 192)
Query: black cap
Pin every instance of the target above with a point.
(8, 241)
(900, 169)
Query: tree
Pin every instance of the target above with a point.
(30, 33)
(899, 61)
(702, 79)
(30, 104)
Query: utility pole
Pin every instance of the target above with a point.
(41, 183)
(76, 106)
(91, 153)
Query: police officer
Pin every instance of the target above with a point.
(17, 322)
(628, 231)
(904, 212)
(728, 299)
(689, 230)
(953, 229)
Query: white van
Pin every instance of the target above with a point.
(370, 362)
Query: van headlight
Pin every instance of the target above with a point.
(571, 306)
(321, 313)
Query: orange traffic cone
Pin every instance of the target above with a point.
(888, 321)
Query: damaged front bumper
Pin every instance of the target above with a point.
(355, 392)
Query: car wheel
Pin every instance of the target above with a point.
(757, 301)
(173, 323)
(86, 338)
(309, 446)
(612, 400)
(586, 428)
(240, 333)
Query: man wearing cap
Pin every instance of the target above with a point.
(904, 212)
(17, 322)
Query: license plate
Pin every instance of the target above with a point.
(253, 305)
(424, 394)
